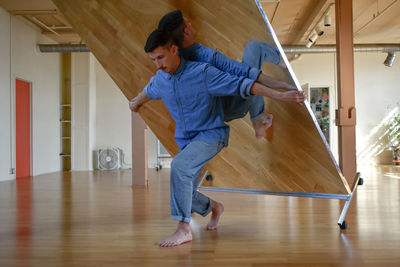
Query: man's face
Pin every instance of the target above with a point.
(165, 58)
(189, 31)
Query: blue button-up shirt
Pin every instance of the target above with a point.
(191, 96)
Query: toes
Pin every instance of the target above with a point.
(211, 227)
(168, 244)
(164, 243)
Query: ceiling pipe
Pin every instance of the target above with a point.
(63, 48)
(323, 49)
(289, 49)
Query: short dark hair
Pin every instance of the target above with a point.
(173, 24)
(156, 38)
(170, 21)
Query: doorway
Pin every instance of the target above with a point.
(23, 128)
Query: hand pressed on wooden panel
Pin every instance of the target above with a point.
(138, 101)
(290, 96)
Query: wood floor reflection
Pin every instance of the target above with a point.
(98, 219)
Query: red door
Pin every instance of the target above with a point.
(23, 128)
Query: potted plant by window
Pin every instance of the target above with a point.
(394, 138)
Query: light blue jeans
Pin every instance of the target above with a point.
(185, 172)
(255, 53)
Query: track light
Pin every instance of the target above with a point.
(319, 30)
(311, 38)
(390, 59)
(327, 21)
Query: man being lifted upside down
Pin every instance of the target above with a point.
(192, 92)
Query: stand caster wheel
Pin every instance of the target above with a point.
(209, 177)
(158, 168)
(361, 181)
(343, 225)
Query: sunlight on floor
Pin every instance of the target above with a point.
(395, 175)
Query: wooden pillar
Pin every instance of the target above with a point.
(139, 151)
(346, 113)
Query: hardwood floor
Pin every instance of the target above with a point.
(98, 219)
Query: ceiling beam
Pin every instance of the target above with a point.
(33, 12)
(43, 25)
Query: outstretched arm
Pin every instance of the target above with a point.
(292, 96)
(138, 101)
(221, 83)
(243, 69)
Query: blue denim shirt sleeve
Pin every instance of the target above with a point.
(151, 90)
(220, 83)
(254, 73)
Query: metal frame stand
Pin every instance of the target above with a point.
(348, 197)
(160, 155)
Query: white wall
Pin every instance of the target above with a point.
(5, 94)
(376, 89)
(44, 72)
(377, 94)
(113, 116)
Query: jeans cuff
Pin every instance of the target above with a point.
(180, 218)
(256, 118)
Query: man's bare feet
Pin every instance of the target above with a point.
(182, 235)
(217, 210)
(262, 125)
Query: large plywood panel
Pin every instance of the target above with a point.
(293, 157)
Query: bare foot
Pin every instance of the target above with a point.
(262, 125)
(282, 64)
(182, 235)
(217, 210)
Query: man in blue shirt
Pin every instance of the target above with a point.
(254, 55)
(190, 91)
